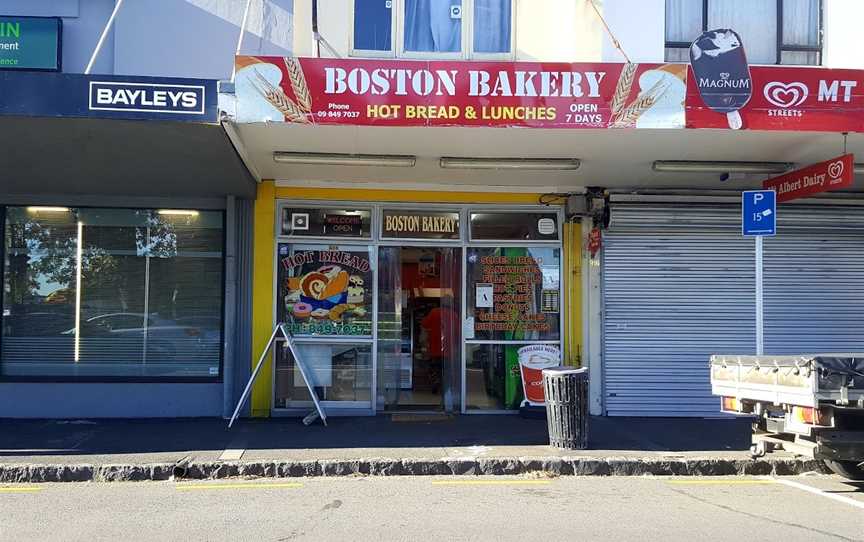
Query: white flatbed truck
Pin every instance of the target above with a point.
(811, 405)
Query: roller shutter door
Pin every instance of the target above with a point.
(814, 281)
(678, 286)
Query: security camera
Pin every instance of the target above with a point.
(724, 177)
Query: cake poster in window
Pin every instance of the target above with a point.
(324, 293)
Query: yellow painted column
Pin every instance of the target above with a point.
(573, 293)
(262, 293)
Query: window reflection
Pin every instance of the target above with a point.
(112, 293)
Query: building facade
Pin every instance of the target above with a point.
(123, 206)
(425, 259)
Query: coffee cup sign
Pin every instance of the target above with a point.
(532, 360)
(721, 72)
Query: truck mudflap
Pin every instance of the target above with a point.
(840, 445)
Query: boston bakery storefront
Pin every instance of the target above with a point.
(429, 254)
(420, 307)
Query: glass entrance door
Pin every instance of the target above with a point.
(419, 328)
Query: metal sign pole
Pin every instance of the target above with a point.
(252, 378)
(759, 305)
(759, 218)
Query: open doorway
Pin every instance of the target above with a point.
(419, 324)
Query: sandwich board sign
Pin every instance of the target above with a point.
(288, 342)
(758, 212)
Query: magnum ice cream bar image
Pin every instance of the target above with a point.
(721, 72)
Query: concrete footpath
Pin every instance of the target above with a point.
(132, 450)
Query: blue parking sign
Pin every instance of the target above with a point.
(759, 212)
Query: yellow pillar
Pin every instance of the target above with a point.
(262, 293)
(573, 293)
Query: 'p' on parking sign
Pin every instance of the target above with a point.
(758, 212)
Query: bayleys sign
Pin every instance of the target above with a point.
(146, 97)
(108, 96)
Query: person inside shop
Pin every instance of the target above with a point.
(439, 327)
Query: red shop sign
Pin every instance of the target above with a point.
(791, 99)
(829, 175)
(446, 93)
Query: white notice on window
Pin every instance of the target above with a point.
(468, 327)
(485, 296)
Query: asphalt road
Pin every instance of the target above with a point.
(807, 508)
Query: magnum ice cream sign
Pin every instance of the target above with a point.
(721, 72)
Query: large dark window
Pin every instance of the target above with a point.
(430, 27)
(773, 31)
(112, 294)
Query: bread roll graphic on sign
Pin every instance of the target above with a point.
(721, 72)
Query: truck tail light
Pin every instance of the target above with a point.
(812, 416)
(731, 404)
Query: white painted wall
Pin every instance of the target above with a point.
(546, 30)
(640, 28)
(197, 38)
(842, 25)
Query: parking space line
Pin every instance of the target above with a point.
(490, 482)
(720, 482)
(815, 491)
(20, 489)
(184, 487)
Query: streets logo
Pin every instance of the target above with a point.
(787, 97)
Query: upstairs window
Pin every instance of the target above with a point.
(773, 31)
(433, 28)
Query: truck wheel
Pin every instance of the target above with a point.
(846, 469)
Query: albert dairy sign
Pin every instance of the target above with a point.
(828, 175)
(147, 97)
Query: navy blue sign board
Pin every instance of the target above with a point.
(28, 94)
(759, 212)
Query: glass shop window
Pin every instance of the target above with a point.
(94, 293)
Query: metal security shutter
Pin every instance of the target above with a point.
(678, 286)
(814, 281)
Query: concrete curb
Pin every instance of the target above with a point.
(497, 466)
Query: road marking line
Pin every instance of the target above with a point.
(839, 498)
(489, 482)
(20, 489)
(184, 487)
(232, 454)
(719, 482)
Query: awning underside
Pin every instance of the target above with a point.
(119, 158)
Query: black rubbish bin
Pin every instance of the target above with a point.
(566, 391)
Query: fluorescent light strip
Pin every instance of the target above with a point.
(538, 164)
(325, 159)
(78, 263)
(176, 212)
(684, 166)
(36, 209)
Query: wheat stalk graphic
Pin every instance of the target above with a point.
(298, 83)
(627, 117)
(622, 89)
(277, 97)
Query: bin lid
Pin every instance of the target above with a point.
(565, 370)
